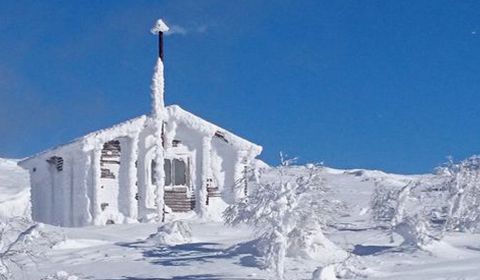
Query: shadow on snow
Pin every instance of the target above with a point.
(183, 277)
(200, 252)
(361, 250)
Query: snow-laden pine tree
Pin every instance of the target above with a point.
(383, 204)
(405, 211)
(288, 214)
(462, 184)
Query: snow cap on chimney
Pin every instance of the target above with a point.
(160, 26)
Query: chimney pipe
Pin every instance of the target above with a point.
(160, 45)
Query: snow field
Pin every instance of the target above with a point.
(215, 251)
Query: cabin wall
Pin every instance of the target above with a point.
(115, 190)
(62, 189)
(57, 188)
(223, 163)
(189, 147)
(223, 168)
(74, 195)
(82, 214)
(41, 188)
(229, 165)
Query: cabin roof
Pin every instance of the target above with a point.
(177, 113)
(174, 112)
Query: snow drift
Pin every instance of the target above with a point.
(61, 275)
(14, 190)
(174, 233)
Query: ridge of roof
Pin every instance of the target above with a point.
(174, 111)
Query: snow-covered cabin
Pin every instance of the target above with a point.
(112, 176)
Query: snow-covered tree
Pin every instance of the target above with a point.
(462, 184)
(288, 214)
(383, 203)
(405, 211)
(414, 230)
(22, 241)
(425, 209)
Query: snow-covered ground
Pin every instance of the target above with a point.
(215, 251)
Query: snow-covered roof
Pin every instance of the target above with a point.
(177, 113)
(107, 134)
(126, 128)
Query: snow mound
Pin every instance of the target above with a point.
(174, 233)
(446, 250)
(324, 273)
(14, 190)
(215, 209)
(78, 244)
(61, 275)
(316, 247)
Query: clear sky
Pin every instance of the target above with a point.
(391, 85)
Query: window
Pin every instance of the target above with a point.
(153, 165)
(111, 153)
(175, 143)
(176, 172)
(167, 167)
(57, 162)
(110, 157)
(106, 173)
(221, 135)
(104, 206)
(180, 172)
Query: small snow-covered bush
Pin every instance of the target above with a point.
(349, 268)
(288, 213)
(174, 233)
(309, 242)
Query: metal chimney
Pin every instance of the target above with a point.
(160, 45)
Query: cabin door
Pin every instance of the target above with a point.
(178, 197)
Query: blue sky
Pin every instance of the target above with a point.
(392, 85)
